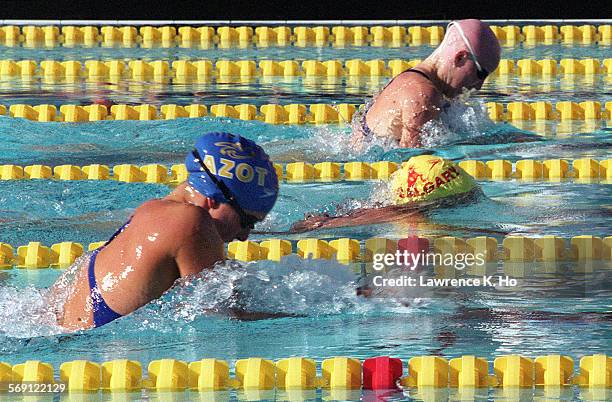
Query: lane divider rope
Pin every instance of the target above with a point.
(300, 373)
(320, 113)
(299, 36)
(585, 170)
(547, 249)
(203, 70)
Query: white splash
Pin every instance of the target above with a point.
(382, 194)
(329, 142)
(458, 122)
(293, 286)
(30, 312)
(461, 119)
(27, 312)
(138, 251)
(108, 282)
(125, 272)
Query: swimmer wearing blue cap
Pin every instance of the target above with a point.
(231, 185)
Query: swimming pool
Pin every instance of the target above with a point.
(330, 319)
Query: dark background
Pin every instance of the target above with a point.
(303, 10)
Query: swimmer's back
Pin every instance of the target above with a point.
(152, 252)
(406, 103)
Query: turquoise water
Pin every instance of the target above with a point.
(522, 50)
(329, 319)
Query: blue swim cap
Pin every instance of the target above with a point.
(241, 164)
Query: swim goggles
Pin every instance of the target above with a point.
(247, 221)
(481, 72)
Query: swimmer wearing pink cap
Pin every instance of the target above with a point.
(468, 53)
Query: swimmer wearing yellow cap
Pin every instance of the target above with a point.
(428, 178)
(423, 182)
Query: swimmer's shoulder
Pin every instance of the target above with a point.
(178, 221)
(417, 87)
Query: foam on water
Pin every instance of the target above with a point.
(463, 120)
(263, 289)
(25, 313)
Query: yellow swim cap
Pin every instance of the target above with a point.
(427, 177)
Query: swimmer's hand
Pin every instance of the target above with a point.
(310, 215)
(311, 221)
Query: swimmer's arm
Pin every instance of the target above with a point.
(415, 113)
(357, 217)
(195, 256)
(198, 246)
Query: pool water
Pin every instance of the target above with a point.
(326, 318)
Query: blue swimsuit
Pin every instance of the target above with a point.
(102, 313)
